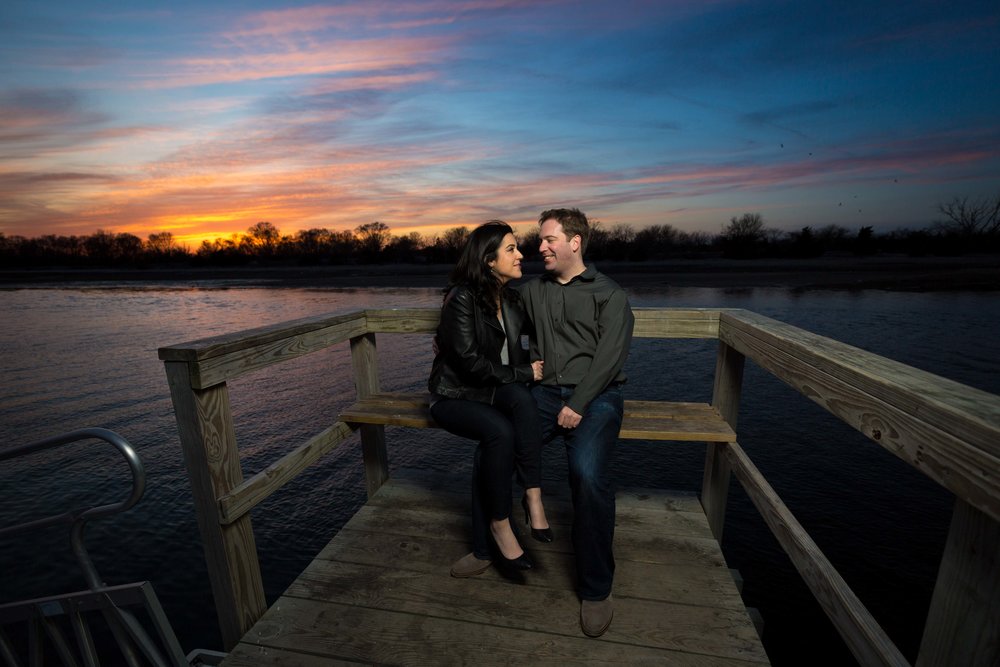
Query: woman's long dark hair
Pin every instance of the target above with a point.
(472, 268)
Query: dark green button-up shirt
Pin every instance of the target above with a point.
(583, 330)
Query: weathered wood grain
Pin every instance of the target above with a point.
(963, 624)
(380, 593)
(247, 495)
(364, 361)
(643, 420)
(676, 322)
(863, 635)
(403, 320)
(970, 414)
(220, 368)
(685, 575)
(704, 629)
(376, 636)
(238, 341)
(208, 440)
(726, 394)
(253, 655)
(649, 322)
(948, 431)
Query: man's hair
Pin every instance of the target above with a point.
(573, 221)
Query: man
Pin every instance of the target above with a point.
(583, 328)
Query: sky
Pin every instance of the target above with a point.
(203, 118)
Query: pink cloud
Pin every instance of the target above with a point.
(334, 57)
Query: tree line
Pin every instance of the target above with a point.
(965, 226)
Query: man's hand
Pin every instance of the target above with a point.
(536, 369)
(568, 418)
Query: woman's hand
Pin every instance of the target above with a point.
(536, 369)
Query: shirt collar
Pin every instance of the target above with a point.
(588, 275)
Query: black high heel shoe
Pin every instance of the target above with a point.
(540, 534)
(511, 565)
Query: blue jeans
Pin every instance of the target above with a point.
(508, 434)
(590, 448)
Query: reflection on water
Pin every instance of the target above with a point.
(87, 357)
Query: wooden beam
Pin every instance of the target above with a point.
(364, 358)
(403, 320)
(208, 440)
(239, 341)
(948, 431)
(247, 495)
(216, 369)
(963, 625)
(863, 635)
(649, 322)
(676, 322)
(643, 420)
(726, 395)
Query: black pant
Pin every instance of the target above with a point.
(509, 439)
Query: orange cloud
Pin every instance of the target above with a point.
(337, 56)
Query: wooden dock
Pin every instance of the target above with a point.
(380, 591)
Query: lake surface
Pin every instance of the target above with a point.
(86, 356)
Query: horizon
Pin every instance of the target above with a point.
(204, 120)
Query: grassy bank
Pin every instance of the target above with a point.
(890, 273)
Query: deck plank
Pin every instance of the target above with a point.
(380, 592)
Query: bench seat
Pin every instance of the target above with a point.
(644, 420)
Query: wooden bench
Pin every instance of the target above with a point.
(644, 420)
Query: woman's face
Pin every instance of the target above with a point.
(507, 265)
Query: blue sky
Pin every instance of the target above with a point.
(204, 118)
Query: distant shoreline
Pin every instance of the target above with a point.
(894, 273)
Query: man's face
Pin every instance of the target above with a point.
(557, 251)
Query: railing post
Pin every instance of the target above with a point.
(208, 439)
(963, 624)
(726, 399)
(364, 358)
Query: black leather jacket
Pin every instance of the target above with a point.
(469, 342)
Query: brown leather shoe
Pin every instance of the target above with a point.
(469, 566)
(595, 616)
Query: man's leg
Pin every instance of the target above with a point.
(590, 450)
(548, 401)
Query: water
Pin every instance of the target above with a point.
(74, 357)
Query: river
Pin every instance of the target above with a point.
(75, 356)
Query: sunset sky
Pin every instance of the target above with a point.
(202, 118)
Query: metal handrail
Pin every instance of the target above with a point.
(131, 637)
(79, 517)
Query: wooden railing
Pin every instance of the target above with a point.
(949, 431)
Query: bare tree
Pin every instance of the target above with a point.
(449, 245)
(263, 238)
(745, 236)
(748, 228)
(971, 218)
(372, 238)
(161, 243)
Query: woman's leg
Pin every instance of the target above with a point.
(492, 469)
(516, 401)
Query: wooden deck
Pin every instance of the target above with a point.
(380, 592)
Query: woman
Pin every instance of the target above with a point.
(478, 391)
